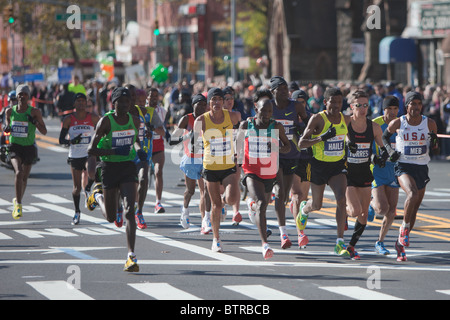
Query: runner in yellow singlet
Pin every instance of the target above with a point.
(219, 167)
(326, 134)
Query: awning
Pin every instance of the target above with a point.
(395, 49)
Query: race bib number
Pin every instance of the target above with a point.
(334, 147)
(19, 129)
(122, 138)
(220, 147)
(361, 156)
(259, 147)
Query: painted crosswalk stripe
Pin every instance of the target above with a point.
(58, 290)
(260, 292)
(447, 292)
(360, 293)
(51, 198)
(163, 291)
(5, 202)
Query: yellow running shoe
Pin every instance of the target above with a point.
(91, 202)
(301, 219)
(17, 212)
(341, 250)
(131, 265)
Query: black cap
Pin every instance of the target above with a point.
(214, 92)
(120, 92)
(390, 101)
(198, 98)
(300, 94)
(293, 86)
(277, 81)
(79, 95)
(412, 95)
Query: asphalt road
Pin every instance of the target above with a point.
(42, 256)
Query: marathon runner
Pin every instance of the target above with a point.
(79, 127)
(416, 137)
(21, 121)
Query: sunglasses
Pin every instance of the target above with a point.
(359, 105)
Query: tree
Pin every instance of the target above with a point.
(36, 21)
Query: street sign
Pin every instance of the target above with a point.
(84, 16)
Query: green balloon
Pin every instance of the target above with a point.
(160, 74)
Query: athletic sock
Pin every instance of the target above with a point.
(76, 202)
(357, 233)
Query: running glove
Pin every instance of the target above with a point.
(331, 133)
(352, 146)
(76, 140)
(142, 155)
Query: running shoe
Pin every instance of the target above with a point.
(302, 240)
(17, 212)
(206, 226)
(223, 216)
(267, 251)
(380, 249)
(268, 232)
(371, 214)
(216, 247)
(76, 218)
(184, 219)
(401, 254)
(341, 250)
(403, 237)
(140, 220)
(159, 208)
(92, 203)
(353, 254)
(237, 218)
(119, 218)
(131, 265)
(301, 219)
(285, 242)
(251, 211)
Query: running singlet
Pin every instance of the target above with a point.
(413, 142)
(218, 143)
(365, 143)
(333, 149)
(261, 150)
(23, 132)
(289, 119)
(383, 126)
(84, 127)
(119, 136)
(158, 141)
(195, 151)
(146, 143)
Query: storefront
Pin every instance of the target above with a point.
(429, 26)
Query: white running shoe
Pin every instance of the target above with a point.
(206, 226)
(251, 210)
(267, 251)
(184, 219)
(216, 247)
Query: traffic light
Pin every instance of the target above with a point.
(9, 14)
(156, 31)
